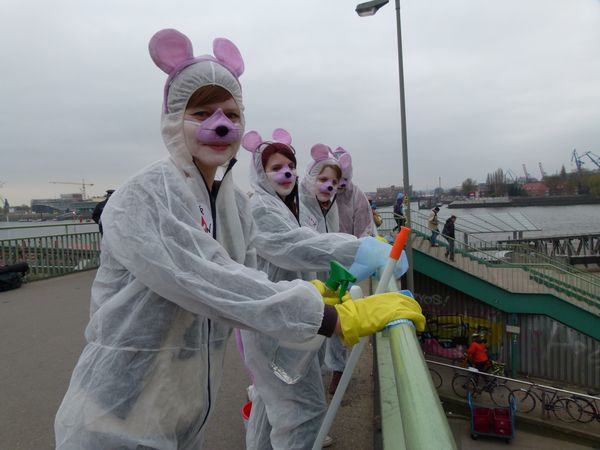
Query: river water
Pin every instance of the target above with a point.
(551, 220)
(19, 230)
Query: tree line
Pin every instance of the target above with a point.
(498, 184)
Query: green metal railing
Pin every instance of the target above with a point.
(516, 252)
(515, 273)
(411, 412)
(50, 256)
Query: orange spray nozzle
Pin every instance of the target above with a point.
(399, 243)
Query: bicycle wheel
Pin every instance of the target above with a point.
(500, 395)
(462, 385)
(566, 410)
(524, 400)
(584, 411)
(436, 378)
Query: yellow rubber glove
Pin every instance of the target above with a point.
(368, 315)
(329, 297)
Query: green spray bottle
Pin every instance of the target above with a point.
(339, 278)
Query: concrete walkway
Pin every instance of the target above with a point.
(41, 338)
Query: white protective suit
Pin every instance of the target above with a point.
(286, 251)
(173, 280)
(355, 218)
(354, 210)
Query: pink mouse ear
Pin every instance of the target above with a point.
(281, 135)
(169, 48)
(319, 152)
(251, 141)
(345, 160)
(228, 54)
(340, 151)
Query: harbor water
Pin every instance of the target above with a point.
(550, 220)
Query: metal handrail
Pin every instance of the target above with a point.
(523, 250)
(573, 284)
(514, 380)
(423, 419)
(53, 255)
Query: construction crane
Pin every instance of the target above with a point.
(83, 184)
(511, 174)
(577, 160)
(527, 176)
(594, 158)
(542, 173)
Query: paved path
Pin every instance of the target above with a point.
(41, 338)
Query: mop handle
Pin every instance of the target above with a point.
(395, 254)
(384, 281)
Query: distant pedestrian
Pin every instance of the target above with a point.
(399, 211)
(432, 224)
(97, 214)
(448, 233)
(377, 220)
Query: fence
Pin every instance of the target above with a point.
(53, 255)
(512, 266)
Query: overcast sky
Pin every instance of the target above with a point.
(489, 84)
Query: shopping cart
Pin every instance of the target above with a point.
(492, 421)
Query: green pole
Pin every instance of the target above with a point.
(423, 418)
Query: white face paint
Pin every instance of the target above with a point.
(327, 182)
(210, 153)
(281, 173)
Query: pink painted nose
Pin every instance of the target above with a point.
(218, 129)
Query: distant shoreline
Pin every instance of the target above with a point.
(562, 200)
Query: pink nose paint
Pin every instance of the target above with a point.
(327, 187)
(283, 175)
(217, 129)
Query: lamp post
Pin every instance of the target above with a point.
(369, 9)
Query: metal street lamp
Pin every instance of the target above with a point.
(369, 9)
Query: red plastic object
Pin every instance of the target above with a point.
(246, 410)
(482, 420)
(502, 422)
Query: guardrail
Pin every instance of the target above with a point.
(54, 255)
(515, 251)
(491, 266)
(422, 423)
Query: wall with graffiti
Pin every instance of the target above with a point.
(452, 317)
(545, 349)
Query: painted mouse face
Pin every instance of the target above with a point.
(213, 132)
(281, 173)
(345, 161)
(280, 168)
(327, 182)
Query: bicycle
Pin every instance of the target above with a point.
(463, 383)
(585, 410)
(564, 408)
(436, 378)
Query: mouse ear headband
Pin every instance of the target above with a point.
(252, 141)
(343, 158)
(172, 52)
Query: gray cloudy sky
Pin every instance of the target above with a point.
(489, 84)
